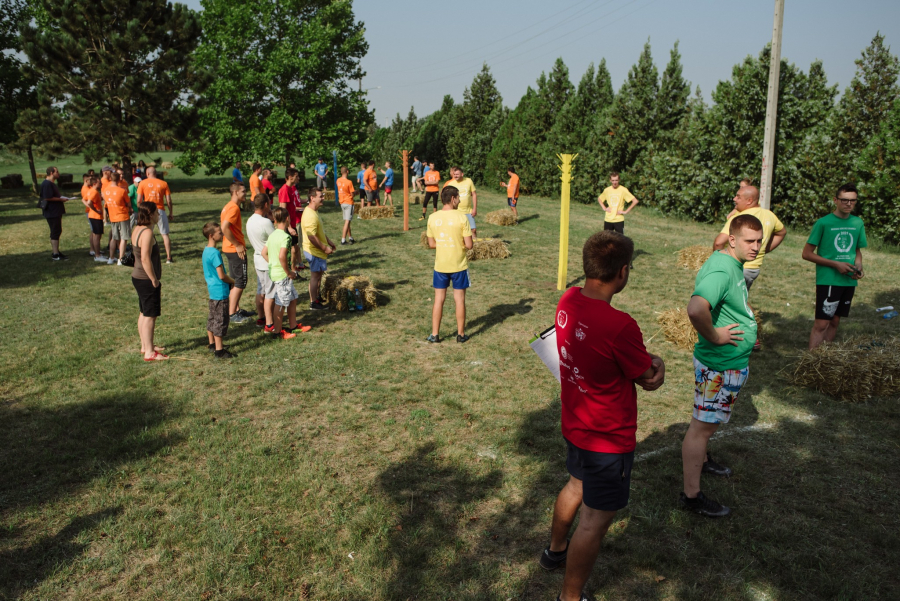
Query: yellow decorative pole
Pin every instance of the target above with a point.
(566, 169)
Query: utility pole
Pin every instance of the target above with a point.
(768, 160)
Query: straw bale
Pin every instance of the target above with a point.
(167, 165)
(488, 248)
(693, 257)
(501, 217)
(329, 195)
(853, 370)
(417, 199)
(376, 212)
(423, 240)
(334, 289)
(677, 328)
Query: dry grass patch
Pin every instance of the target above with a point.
(677, 328)
(693, 257)
(855, 369)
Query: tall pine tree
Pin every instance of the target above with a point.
(475, 125)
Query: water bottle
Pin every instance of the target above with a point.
(890, 315)
(359, 300)
(351, 302)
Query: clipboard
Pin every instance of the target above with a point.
(544, 344)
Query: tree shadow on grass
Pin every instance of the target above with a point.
(497, 315)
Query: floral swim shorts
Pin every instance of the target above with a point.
(715, 392)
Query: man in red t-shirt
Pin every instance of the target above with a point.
(601, 358)
(290, 200)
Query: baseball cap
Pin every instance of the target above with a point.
(106, 168)
(137, 180)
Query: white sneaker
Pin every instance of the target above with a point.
(111, 261)
(90, 252)
(99, 259)
(120, 262)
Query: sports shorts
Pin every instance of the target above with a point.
(149, 298)
(605, 477)
(320, 182)
(512, 201)
(371, 196)
(96, 226)
(833, 301)
(750, 276)
(285, 293)
(237, 269)
(617, 226)
(316, 264)
(120, 230)
(471, 221)
(716, 391)
(460, 280)
(347, 212)
(264, 284)
(217, 321)
(388, 189)
(163, 222)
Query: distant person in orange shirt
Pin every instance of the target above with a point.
(370, 180)
(157, 191)
(105, 180)
(255, 183)
(345, 191)
(122, 183)
(233, 247)
(93, 203)
(432, 185)
(118, 206)
(512, 190)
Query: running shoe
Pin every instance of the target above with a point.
(269, 329)
(284, 335)
(223, 354)
(352, 241)
(711, 467)
(317, 306)
(245, 313)
(461, 338)
(236, 318)
(111, 261)
(260, 323)
(299, 328)
(550, 560)
(100, 259)
(704, 506)
(432, 338)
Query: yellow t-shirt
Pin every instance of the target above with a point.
(465, 187)
(770, 223)
(310, 224)
(448, 228)
(616, 199)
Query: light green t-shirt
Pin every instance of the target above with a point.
(721, 282)
(277, 240)
(837, 239)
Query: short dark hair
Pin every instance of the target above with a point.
(114, 176)
(614, 174)
(289, 173)
(344, 171)
(605, 253)
(448, 194)
(260, 201)
(280, 215)
(256, 166)
(311, 192)
(210, 228)
(371, 163)
(145, 212)
(742, 221)
(511, 169)
(846, 188)
(50, 170)
(235, 187)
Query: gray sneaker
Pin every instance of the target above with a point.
(237, 318)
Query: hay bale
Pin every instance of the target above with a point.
(168, 165)
(12, 181)
(423, 240)
(501, 217)
(488, 248)
(677, 328)
(334, 289)
(329, 195)
(852, 370)
(376, 212)
(693, 257)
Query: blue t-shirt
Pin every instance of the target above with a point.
(236, 174)
(321, 168)
(360, 177)
(427, 169)
(417, 168)
(389, 177)
(212, 259)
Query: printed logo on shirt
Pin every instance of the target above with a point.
(843, 242)
(564, 364)
(582, 390)
(438, 222)
(577, 375)
(579, 334)
(565, 354)
(562, 319)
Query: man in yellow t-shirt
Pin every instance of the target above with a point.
(449, 233)
(615, 198)
(746, 202)
(468, 199)
(316, 245)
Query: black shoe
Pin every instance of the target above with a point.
(245, 313)
(461, 338)
(432, 338)
(550, 560)
(711, 467)
(704, 506)
(62, 257)
(212, 347)
(317, 306)
(223, 354)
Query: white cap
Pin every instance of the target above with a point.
(137, 179)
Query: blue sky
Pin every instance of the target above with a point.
(411, 43)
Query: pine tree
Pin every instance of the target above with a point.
(113, 75)
(471, 125)
(671, 103)
(511, 146)
(878, 168)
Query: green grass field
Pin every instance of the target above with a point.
(358, 462)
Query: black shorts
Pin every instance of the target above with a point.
(430, 196)
(149, 298)
(605, 477)
(237, 269)
(618, 226)
(833, 301)
(96, 226)
(55, 224)
(217, 322)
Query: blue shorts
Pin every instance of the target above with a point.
(460, 279)
(316, 264)
(512, 201)
(471, 221)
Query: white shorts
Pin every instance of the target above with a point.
(163, 222)
(285, 293)
(347, 211)
(264, 284)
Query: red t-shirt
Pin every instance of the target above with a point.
(601, 352)
(267, 186)
(287, 195)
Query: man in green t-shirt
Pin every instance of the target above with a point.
(834, 245)
(719, 312)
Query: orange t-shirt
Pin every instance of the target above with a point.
(370, 179)
(84, 189)
(255, 186)
(104, 183)
(432, 179)
(123, 184)
(232, 214)
(92, 196)
(345, 191)
(117, 203)
(512, 188)
(154, 190)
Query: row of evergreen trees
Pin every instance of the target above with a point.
(676, 152)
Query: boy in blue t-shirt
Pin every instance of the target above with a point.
(219, 285)
(361, 180)
(321, 170)
(388, 182)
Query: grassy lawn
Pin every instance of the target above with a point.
(358, 462)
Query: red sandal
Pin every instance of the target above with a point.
(156, 356)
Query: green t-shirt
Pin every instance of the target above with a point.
(277, 240)
(132, 194)
(837, 239)
(721, 282)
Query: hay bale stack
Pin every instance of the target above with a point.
(501, 217)
(168, 165)
(853, 370)
(488, 248)
(693, 257)
(334, 289)
(12, 181)
(329, 195)
(423, 240)
(153, 164)
(677, 328)
(376, 212)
